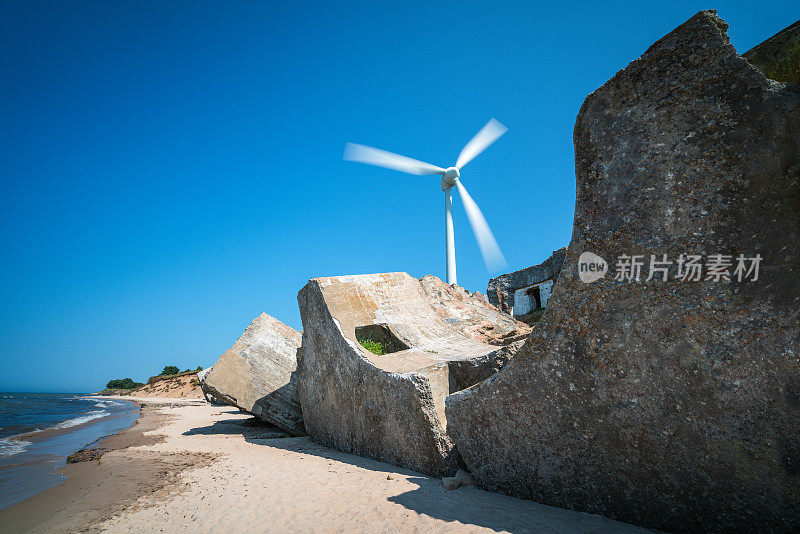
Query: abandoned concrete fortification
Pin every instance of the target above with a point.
(671, 404)
(524, 293)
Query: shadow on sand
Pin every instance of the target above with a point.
(464, 506)
(251, 429)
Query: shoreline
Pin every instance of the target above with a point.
(56, 430)
(32, 459)
(68, 424)
(185, 466)
(95, 490)
(143, 401)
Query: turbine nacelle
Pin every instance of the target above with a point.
(449, 177)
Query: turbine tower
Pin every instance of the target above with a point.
(451, 177)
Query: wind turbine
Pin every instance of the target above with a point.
(450, 177)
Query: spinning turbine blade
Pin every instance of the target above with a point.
(489, 249)
(381, 158)
(485, 137)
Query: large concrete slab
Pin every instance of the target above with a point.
(257, 374)
(391, 407)
(672, 404)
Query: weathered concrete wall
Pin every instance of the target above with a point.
(391, 407)
(257, 374)
(501, 289)
(671, 404)
(210, 394)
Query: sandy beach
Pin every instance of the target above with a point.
(189, 466)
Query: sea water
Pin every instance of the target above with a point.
(39, 430)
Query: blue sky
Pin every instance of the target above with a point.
(169, 170)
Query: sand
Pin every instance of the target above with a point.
(155, 400)
(202, 468)
(185, 386)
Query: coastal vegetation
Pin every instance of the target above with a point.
(124, 383)
(170, 370)
(128, 384)
(165, 376)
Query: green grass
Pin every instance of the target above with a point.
(787, 69)
(158, 378)
(375, 347)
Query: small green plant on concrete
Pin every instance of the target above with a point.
(787, 69)
(375, 347)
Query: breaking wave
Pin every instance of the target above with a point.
(16, 444)
(94, 414)
(106, 404)
(10, 446)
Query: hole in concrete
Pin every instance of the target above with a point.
(466, 373)
(535, 295)
(379, 339)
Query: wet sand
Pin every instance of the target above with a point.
(203, 468)
(40, 452)
(98, 489)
